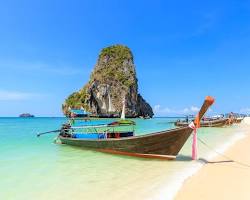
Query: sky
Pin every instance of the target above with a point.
(183, 51)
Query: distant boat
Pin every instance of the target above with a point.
(26, 115)
(235, 117)
(118, 138)
(78, 113)
(146, 117)
(206, 123)
(238, 120)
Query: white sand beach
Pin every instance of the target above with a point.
(223, 180)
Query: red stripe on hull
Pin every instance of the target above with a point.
(155, 156)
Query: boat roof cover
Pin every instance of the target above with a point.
(122, 122)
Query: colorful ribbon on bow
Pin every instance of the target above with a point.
(194, 125)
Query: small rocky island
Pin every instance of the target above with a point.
(26, 115)
(113, 78)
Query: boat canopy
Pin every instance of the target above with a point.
(122, 123)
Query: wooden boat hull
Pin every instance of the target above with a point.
(213, 123)
(164, 144)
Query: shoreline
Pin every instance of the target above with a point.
(219, 180)
(194, 167)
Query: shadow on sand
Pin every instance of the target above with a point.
(201, 160)
(181, 157)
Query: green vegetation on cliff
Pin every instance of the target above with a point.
(117, 52)
(112, 60)
(77, 100)
(113, 77)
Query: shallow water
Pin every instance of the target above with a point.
(36, 168)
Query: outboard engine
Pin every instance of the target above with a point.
(65, 130)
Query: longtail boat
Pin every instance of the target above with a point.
(207, 123)
(238, 120)
(112, 138)
(235, 118)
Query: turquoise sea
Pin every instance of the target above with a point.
(36, 168)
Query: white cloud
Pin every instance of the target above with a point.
(185, 110)
(245, 110)
(194, 109)
(159, 110)
(16, 95)
(59, 69)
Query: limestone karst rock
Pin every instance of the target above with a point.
(113, 77)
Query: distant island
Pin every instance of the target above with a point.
(26, 115)
(113, 78)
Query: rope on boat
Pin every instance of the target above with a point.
(223, 155)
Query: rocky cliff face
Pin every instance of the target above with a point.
(113, 78)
